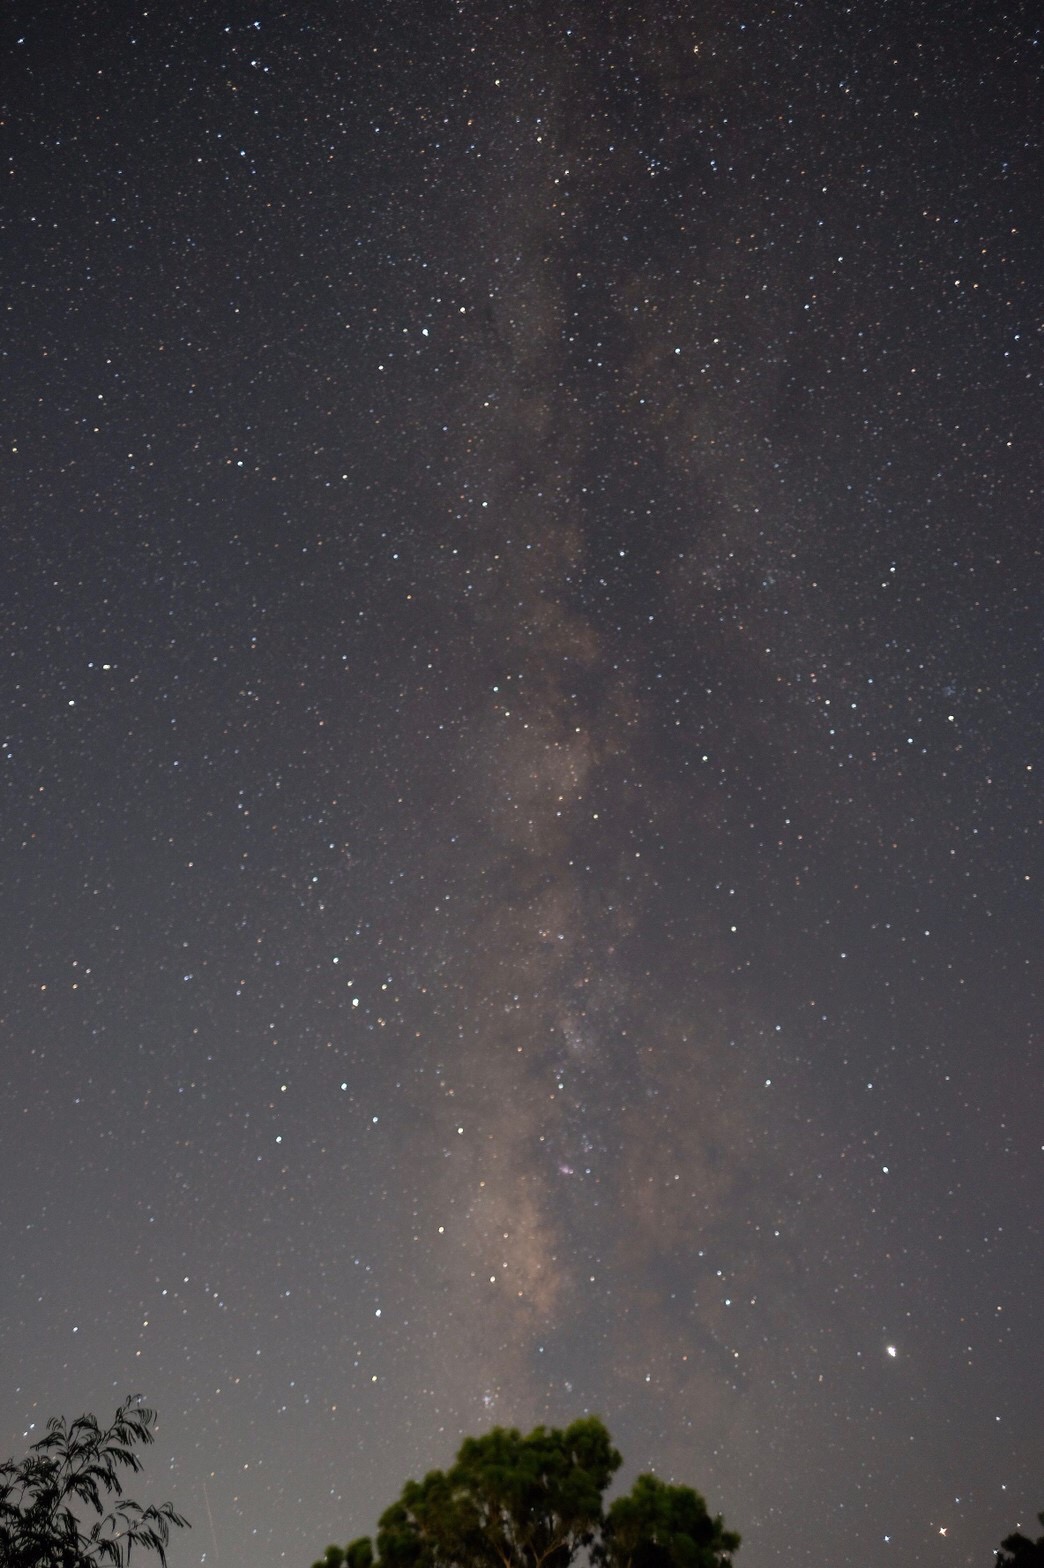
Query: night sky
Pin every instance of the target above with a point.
(520, 641)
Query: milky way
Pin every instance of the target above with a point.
(520, 710)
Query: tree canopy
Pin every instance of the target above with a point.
(47, 1499)
(537, 1502)
(1018, 1551)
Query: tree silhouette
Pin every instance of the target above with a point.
(537, 1502)
(661, 1526)
(46, 1499)
(1018, 1551)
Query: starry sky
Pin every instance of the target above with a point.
(521, 625)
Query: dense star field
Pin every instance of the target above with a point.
(520, 649)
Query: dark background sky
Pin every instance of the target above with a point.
(520, 642)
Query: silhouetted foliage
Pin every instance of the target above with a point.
(537, 1502)
(661, 1526)
(357, 1554)
(47, 1499)
(1018, 1551)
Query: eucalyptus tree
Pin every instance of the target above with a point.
(537, 1501)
